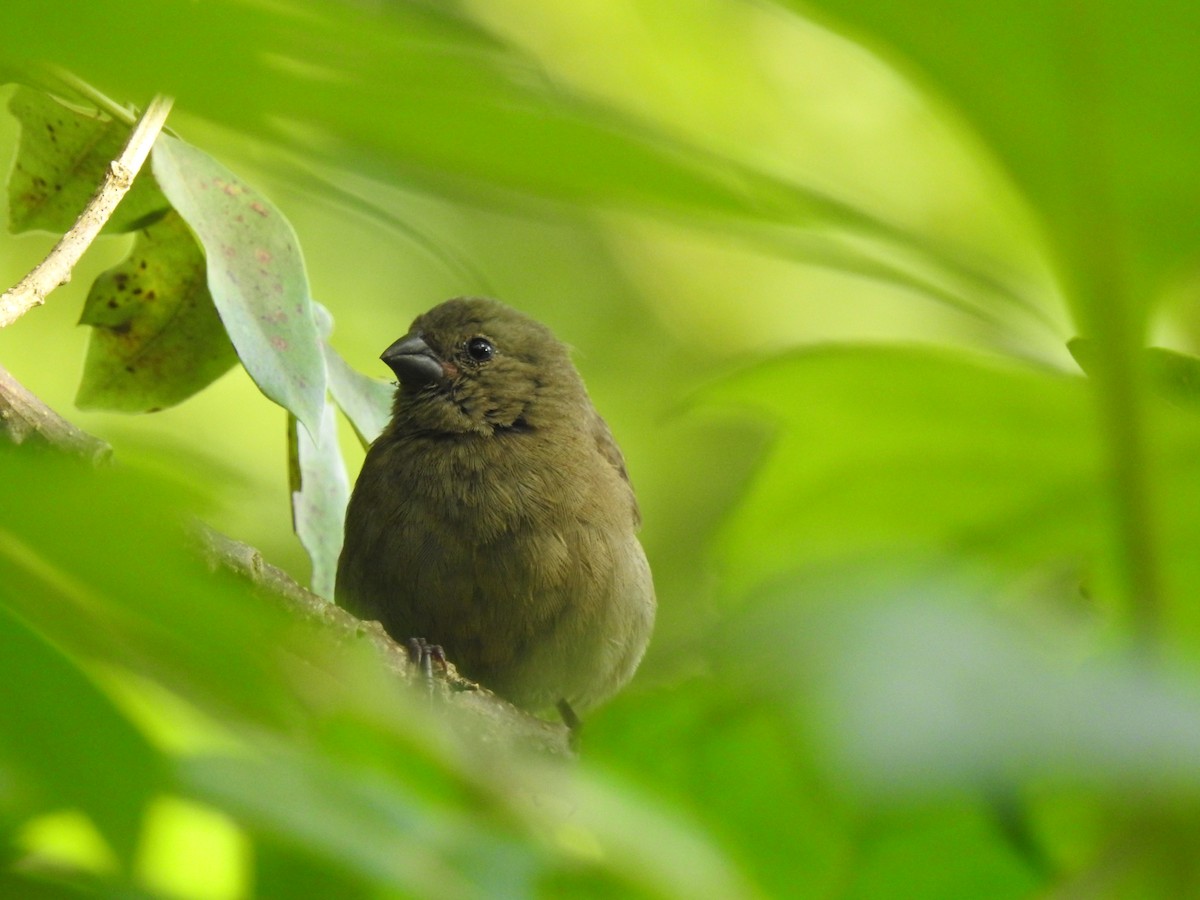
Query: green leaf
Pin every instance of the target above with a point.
(105, 570)
(320, 492)
(359, 823)
(928, 692)
(1174, 375)
(93, 758)
(366, 402)
(61, 159)
(470, 117)
(1106, 146)
(255, 275)
(156, 338)
(906, 450)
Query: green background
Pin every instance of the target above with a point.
(927, 621)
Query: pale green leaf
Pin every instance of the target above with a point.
(320, 492)
(255, 275)
(366, 402)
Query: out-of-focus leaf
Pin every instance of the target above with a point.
(726, 755)
(468, 116)
(1107, 150)
(361, 825)
(366, 402)
(882, 450)
(320, 492)
(62, 886)
(91, 758)
(1175, 375)
(925, 693)
(156, 338)
(109, 574)
(61, 160)
(282, 870)
(1107, 146)
(255, 275)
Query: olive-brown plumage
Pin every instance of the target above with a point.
(493, 515)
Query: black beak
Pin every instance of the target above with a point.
(414, 361)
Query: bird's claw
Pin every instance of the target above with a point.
(424, 655)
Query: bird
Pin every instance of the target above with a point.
(494, 516)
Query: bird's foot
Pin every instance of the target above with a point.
(424, 655)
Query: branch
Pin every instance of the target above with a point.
(56, 268)
(24, 417)
(489, 717)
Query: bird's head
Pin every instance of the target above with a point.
(474, 365)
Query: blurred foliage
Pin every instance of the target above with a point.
(927, 624)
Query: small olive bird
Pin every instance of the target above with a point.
(494, 517)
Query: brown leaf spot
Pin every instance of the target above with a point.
(279, 343)
(260, 209)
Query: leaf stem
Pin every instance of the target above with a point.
(101, 100)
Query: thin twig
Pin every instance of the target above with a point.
(56, 268)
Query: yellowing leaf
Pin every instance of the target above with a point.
(61, 160)
(157, 338)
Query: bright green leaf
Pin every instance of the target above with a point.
(255, 275)
(893, 450)
(106, 570)
(93, 758)
(1174, 375)
(156, 338)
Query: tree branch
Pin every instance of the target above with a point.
(23, 417)
(56, 268)
(489, 717)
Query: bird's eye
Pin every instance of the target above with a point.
(480, 349)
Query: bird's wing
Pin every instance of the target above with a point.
(607, 445)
